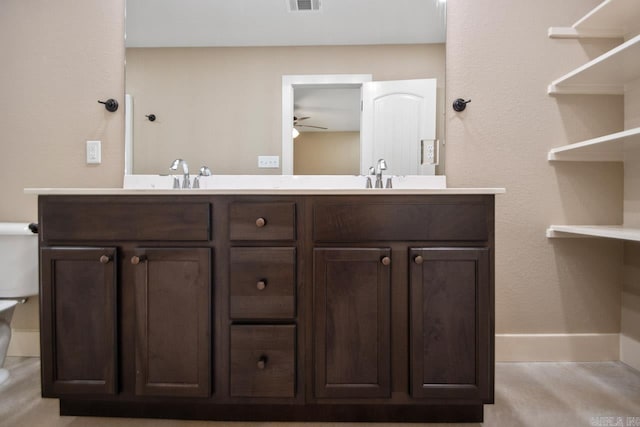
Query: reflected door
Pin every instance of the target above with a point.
(399, 125)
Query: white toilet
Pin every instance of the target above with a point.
(18, 277)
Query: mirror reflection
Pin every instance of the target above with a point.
(211, 72)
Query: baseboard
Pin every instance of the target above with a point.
(24, 343)
(630, 351)
(557, 347)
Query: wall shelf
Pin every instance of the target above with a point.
(605, 75)
(619, 232)
(607, 148)
(611, 19)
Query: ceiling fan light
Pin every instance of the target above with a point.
(295, 133)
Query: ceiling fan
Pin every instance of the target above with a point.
(299, 119)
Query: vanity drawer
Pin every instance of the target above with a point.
(436, 220)
(262, 361)
(104, 219)
(262, 221)
(263, 283)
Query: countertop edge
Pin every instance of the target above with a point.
(270, 191)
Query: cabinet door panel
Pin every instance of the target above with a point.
(352, 321)
(173, 322)
(78, 321)
(449, 287)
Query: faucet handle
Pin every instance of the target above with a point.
(176, 182)
(372, 170)
(368, 185)
(389, 183)
(205, 171)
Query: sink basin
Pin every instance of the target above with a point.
(284, 182)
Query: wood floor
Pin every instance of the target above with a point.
(527, 394)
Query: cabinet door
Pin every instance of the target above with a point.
(352, 322)
(78, 321)
(450, 322)
(173, 324)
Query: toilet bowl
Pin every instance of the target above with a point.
(18, 276)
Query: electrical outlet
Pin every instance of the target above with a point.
(94, 152)
(430, 152)
(269, 162)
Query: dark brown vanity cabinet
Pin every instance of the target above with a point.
(294, 307)
(352, 322)
(172, 321)
(78, 301)
(122, 317)
(414, 317)
(450, 296)
(262, 299)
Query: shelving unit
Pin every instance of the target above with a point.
(606, 231)
(608, 74)
(607, 148)
(611, 19)
(605, 75)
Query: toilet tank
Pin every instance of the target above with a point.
(18, 260)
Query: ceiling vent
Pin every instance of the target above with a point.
(304, 5)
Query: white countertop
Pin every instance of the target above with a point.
(268, 191)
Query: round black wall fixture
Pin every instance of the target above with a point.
(110, 104)
(460, 104)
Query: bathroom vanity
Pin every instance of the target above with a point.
(369, 305)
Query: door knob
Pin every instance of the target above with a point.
(261, 222)
(135, 260)
(262, 362)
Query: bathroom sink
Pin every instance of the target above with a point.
(284, 182)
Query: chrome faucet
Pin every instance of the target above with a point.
(381, 166)
(186, 181)
(204, 171)
(372, 171)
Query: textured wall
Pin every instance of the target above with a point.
(59, 59)
(499, 55)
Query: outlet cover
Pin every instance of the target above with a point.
(94, 152)
(269, 162)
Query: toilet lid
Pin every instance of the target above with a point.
(7, 303)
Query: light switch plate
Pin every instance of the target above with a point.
(94, 152)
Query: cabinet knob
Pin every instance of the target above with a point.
(262, 362)
(418, 259)
(385, 260)
(104, 259)
(261, 222)
(261, 285)
(135, 260)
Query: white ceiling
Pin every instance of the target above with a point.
(336, 109)
(180, 23)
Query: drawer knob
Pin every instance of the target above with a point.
(262, 362)
(418, 259)
(135, 260)
(104, 259)
(261, 222)
(385, 260)
(261, 285)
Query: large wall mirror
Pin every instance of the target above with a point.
(210, 72)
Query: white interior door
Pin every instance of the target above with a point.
(398, 123)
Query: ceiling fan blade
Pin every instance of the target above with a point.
(309, 126)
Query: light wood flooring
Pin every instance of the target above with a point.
(527, 394)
